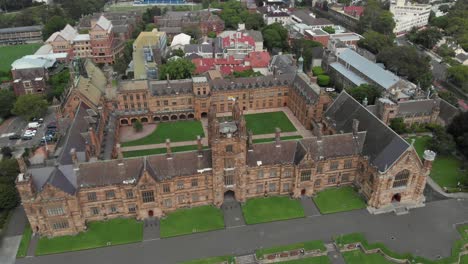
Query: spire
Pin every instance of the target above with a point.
(300, 64)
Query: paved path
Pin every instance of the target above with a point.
(310, 209)
(427, 231)
(437, 188)
(32, 246)
(11, 237)
(233, 216)
(151, 229)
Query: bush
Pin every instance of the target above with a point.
(398, 125)
(323, 80)
(317, 71)
(138, 126)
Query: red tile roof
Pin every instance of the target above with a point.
(231, 40)
(354, 10)
(258, 59)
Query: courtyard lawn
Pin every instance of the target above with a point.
(8, 54)
(263, 140)
(24, 245)
(358, 257)
(308, 245)
(147, 152)
(333, 200)
(213, 260)
(265, 123)
(99, 234)
(445, 169)
(193, 220)
(260, 210)
(313, 260)
(175, 131)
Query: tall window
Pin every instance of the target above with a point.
(168, 202)
(148, 196)
(132, 208)
(166, 188)
(181, 199)
(55, 211)
(319, 168)
(195, 183)
(110, 194)
(331, 179)
(305, 175)
(345, 177)
(229, 148)
(317, 183)
(286, 187)
(180, 185)
(287, 173)
(273, 173)
(195, 197)
(272, 187)
(92, 197)
(401, 179)
(228, 163)
(94, 210)
(129, 194)
(260, 174)
(259, 188)
(60, 225)
(334, 165)
(348, 164)
(229, 177)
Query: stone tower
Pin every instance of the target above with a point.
(386, 109)
(228, 141)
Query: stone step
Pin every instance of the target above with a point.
(247, 259)
(401, 210)
(330, 247)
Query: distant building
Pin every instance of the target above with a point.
(16, 35)
(148, 50)
(302, 16)
(256, 61)
(354, 11)
(62, 41)
(104, 47)
(180, 40)
(30, 75)
(408, 15)
(274, 14)
(174, 22)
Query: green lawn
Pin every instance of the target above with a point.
(23, 247)
(213, 260)
(445, 169)
(8, 54)
(358, 257)
(260, 210)
(193, 220)
(99, 234)
(313, 260)
(333, 200)
(175, 131)
(265, 123)
(263, 140)
(308, 245)
(147, 152)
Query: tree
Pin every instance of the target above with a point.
(445, 51)
(54, 24)
(211, 34)
(375, 42)
(193, 31)
(8, 196)
(7, 100)
(150, 26)
(58, 83)
(427, 37)
(368, 91)
(177, 69)
(449, 97)
(376, 18)
(458, 128)
(305, 48)
(329, 29)
(138, 126)
(444, 8)
(246, 73)
(254, 21)
(8, 171)
(317, 70)
(121, 63)
(178, 52)
(323, 80)
(398, 125)
(407, 61)
(275, 36)
(441, 142)
(459, 75)
(6, 152)
(30, 106)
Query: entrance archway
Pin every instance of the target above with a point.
(144, 120)
(37, 229)
(156, 119)
(303, 191)
(396, 198)
(204, 114)
(173, 117)
(150, 213)
(165, 118)
(182, 117)
(133, 120)
(229, 196)
(124, 122)
(190, 116)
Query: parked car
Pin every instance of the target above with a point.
(25, 137)
(52, 125)
(14, 137)
(34, 125)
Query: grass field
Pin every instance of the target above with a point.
(23, 247)
(193, 220)
(445, 169)
(175, 131)
(308, 245)
(8, 54)
(333, 200)
(358, 257)
(265, 123)
(213, 260)
(263, 140)
(99, 234)
(260, 210)
(147, 152)
(313, 260)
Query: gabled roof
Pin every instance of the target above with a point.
(382, 145)
(68, 33)
(104, 23)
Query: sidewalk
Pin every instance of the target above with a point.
(438, 189)
(11, 237)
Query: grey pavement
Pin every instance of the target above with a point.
(151, 229)
(428, 231)
(11, 237)
(310, 209)
(32, 246)
(336, 258)
(233, 216)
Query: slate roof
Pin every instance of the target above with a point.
(284, 64)
(382, 145)
(447, 111)
(108, 172)
(305, 88)
(252, 82)
(61, 177)
(173, 87)
(20, 29)
(415, 107)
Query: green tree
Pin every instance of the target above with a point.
(323, 80)
(368, 91)
(121, 63)
(398, 125)
(30, 106)
(375, 42)
(58, 83)
(150, 26)
(458, 128)
(246, 73)
(445, 51)
(329, 29)
(6, 152)
(275, 36)
(137, 126)
(54, 24)
(304, 48)
(427, 37)
(376, 18)
(177, 69)
(442, 142)
(317, 70)
(211, 34)
(178, 52)
(8, 171)
(449, 97)
(459, 76)
(7, 100)
(193, 31)
(254, 21)
(8, 196)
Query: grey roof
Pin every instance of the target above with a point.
(305, 88)
(317, 52)
(252, 82)
(180, 164)
(382, 145)
(309, 20)
(283, 63)
(255, 34)
(20, 29)
(172, 87)
(447, 111)
(269, 153)
(61, 177)
(348, 74)
(417, 107)
(382, 77)
(205, 48)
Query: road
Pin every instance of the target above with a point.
(428, 231)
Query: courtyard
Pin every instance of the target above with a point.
(147, 152)
(266, 123)
(275, 208)
(340, 199)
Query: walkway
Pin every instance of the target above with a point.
(310, 209)
(437, 188)
(334, 254)
(428, 231)
(151, 229)
(233, 216)
(11, 237)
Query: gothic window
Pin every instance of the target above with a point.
(273, 173)
(401, 179)
(132, 208)
(228, 177)
(260, 174)
(195, 197)
(334, 165)
(259, 188)
(129, 194)
(166, 188)
(113, 209)
(345, 177)
(110, 194)
(168, 202)
(229, 148)
(181, 199)
(287, 173)
(180, 185)
(331, 179)
(92, 197)
(286, 187)
(195, 183)
(55, 211)
(348, 164)
(272, 187)
(319, 168)
(147, 196)
(317, 183)
(305, 175)
(228, 163)
(94, 210)
(60, 225)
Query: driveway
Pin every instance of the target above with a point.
(11, 238)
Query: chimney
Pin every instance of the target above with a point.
(168, 148)
(355, 126)
(199, 145)
(278, 136)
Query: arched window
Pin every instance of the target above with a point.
(401, 179)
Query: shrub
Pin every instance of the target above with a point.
(138, 126)
(317, 70)
(323, 80)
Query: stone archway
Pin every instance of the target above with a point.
(144, 120)
(229, 196)
(133, 120)
(156, 119)
(182, 117)
(204, 114)
(396, 198)
(124, 122)
(190, 116)
(174, 117)
(150, 213)
(165, 118)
